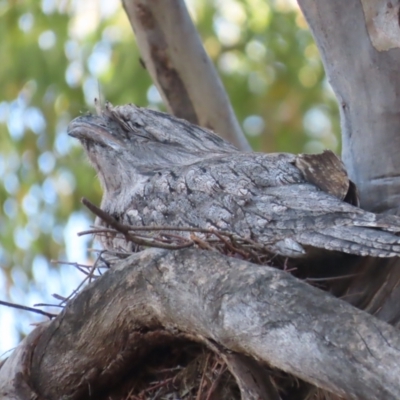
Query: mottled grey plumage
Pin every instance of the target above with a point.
(159, 170)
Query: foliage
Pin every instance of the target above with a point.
(58, 55)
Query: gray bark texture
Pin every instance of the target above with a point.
(364, 77)
(358, 42)
(262, 313)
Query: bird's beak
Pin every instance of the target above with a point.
(84, 129)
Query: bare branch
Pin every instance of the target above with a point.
(26, 308)
(261, 312)
(180, 68)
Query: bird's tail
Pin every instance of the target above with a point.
(376, 239)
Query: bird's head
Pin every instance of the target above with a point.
(126, 143)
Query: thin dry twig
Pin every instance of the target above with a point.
(222, 369)
(80, 267)
(331, 278)
(47, 305)
(224, 242)
(203, 377)
(126, 231)
(25, 308)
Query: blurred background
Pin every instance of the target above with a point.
(58, 55)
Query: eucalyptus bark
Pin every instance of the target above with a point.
(173, 54)
(359, 44)
(263, 313)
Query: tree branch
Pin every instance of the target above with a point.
(180, 68)
(256, 311)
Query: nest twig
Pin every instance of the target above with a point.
(190, 373)
(222, 241)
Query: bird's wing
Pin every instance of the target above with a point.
(263, 197)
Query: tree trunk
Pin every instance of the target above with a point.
(366, 82)
(359, 45)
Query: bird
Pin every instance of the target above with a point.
(158, 170)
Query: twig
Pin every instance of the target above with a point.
(203, 376)
(78, 266)
(47, 305)
(201, 243)
(74, 264)
(216, 380)
(124, 229)
(224, 243)
(21, 307)
(58, 297)
(331, 278)
(156, 385)
(230, 246)
(154, 228)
